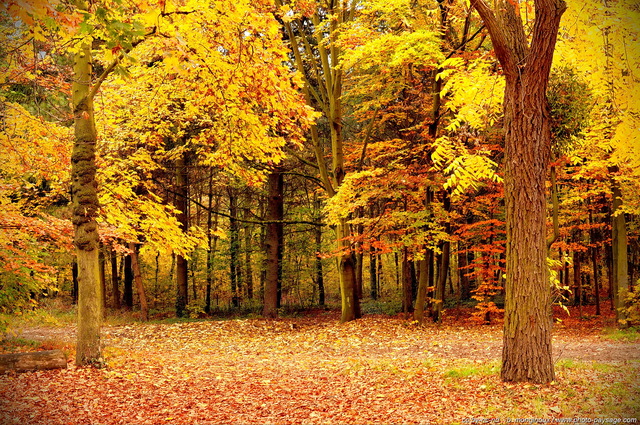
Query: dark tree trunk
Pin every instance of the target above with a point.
(373, 274)
(182, 205)
(407, 293)
(128, 283)
(526, 354)
(235, 276)
(465, 284)
(594, 263)
(115, 287)
(318, 265)
(273, 240)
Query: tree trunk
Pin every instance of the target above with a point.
(84, 201)
(273, 240)
(407, 293)
(318, 265)
(594, 262)
(212, 242)
(234, 248)
(423, 286)
(137, 277)
(115, 287)
(28, 362)
(248, 249)
(128, 283)
(373, 274)
(619, 243)
(182, 205)
(103, 281)
(443, 272)
(465, 284)
(526, 354)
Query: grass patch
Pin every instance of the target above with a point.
(584, 365)
(473, 369)
(631, 334)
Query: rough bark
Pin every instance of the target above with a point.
(273, 238)
(526, 352)
(84, 201)
(28, 362)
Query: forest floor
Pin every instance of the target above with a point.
(313, 370)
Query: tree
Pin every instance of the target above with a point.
(526, 65)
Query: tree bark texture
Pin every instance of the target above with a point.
(526, 354)
(28, 362)
(84, 201)
(273, 240)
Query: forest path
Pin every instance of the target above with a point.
(373, 336)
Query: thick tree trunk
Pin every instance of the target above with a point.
(28, 362)
(273, 240)
(137, 277)
(84, 200)
(526, 354)
(347, 271)
(182, 205)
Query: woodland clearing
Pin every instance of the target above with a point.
(311, 369)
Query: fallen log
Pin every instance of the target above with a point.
(37, 360)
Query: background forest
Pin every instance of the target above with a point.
(248, 153)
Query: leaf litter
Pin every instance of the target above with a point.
(313, 370)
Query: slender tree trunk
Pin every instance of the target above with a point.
(594, 263)
(620, 261)
(128, 283)
(423, 285)
(115, 287)
(248, 249)
(373, 274)
(273, 239)
(234, 248)
(182, 205)
(212, 240)
(137, 277)
(407, 293)
(526, 354)
(84, 201)
(318, 265)
(103, 281)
